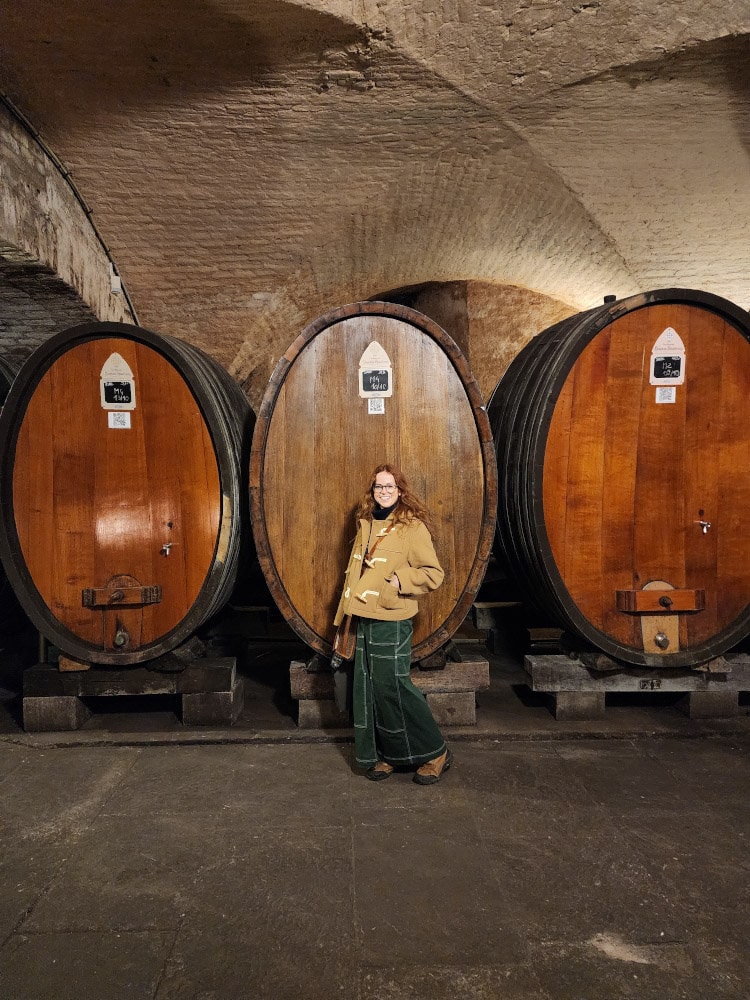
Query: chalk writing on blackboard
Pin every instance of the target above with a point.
(376, 380)
(118, 392)
(667, 369)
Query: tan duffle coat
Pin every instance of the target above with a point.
(405, 550)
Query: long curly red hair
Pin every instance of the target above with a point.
(409, 508)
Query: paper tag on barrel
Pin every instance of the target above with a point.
(375, 377)
(117, 391)
(667, 365)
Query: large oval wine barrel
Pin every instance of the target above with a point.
(317, 440)
(623, 446)
(121, 489)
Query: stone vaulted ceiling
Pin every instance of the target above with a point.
(253, 164)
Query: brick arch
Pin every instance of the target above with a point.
(54, 269)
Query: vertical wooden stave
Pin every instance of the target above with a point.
(620, 458)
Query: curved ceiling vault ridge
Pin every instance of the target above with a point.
(43, 222)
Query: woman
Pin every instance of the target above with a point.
(392, 562)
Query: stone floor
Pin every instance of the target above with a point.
(587, 861)
(550, 869)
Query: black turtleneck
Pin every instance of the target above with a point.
(381, 513)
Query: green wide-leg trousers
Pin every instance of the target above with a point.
(392, 720)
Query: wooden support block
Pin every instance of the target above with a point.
(458, 708)
(450, 692)
(711, 704)
(712, 691)
(304, 684)
(471, 674)
(211, 674)
(493, 614)
(545, 640)
(213, 708)
(212, 694)
(318, 713)
(551, 673)
(577, 705)
(57, 713)
(66, 665)
(449, 709)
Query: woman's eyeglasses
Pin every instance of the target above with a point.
(377, 488)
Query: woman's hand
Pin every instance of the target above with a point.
(394, 581)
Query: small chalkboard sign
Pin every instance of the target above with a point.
(375, 380)
(118, 392)
(667, 368)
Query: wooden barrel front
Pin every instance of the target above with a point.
(121, 488)
(625, 471)
(317, 441)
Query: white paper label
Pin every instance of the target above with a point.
(666, 394)
(375, 374)
(117, 384)
(118, 419)
(667, 360)
(376, 406)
